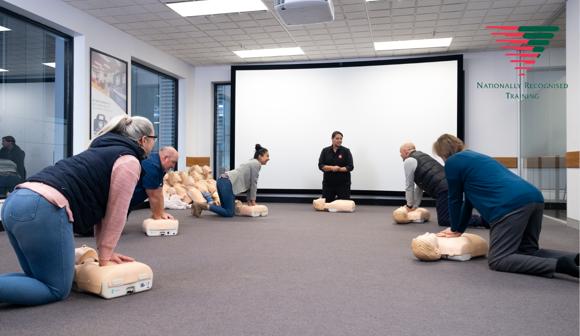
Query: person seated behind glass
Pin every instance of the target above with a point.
(11, 151)
(12, 171)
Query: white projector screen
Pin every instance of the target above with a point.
(376, 105)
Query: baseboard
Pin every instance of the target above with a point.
(573, 223)
(358, 199)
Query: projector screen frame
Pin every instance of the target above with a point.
(360, 194)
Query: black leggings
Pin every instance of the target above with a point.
(333, 192)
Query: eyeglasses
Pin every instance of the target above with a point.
(152, 136)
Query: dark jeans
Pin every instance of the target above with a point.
(331, 191)
(442, 207)
(42, 238)
(514, 247)
(8, 182)
(227, 198)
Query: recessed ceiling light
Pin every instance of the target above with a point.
(3, 70)
(269, 52)
(414, 44)
(50, 64)
(209, 7)
(2, 28)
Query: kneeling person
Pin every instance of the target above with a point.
(150, 185)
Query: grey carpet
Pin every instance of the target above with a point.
(301, 272)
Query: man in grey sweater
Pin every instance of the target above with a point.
(428, 175)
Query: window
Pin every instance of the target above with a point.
(154, 96)
(222, 127)
(35, 98)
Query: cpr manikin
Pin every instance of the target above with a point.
(112, 280)
(428, 247)
(335, 206)
(160, 227)
(250, 210)
(402, 215)
(174, 181)
(172, 200)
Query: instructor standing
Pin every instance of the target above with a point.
(336, 163)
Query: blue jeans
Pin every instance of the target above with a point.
(227, 198)
(42, 238)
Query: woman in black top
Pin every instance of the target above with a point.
(336, 163)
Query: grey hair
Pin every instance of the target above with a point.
(133, 128)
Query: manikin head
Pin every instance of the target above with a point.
(319, 204)
(168, 157)
(402, 215)
(406, 150)
(261, 154)
(206, 172)
(8, 142)
(173, 178)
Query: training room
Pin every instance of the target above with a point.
(289, 167)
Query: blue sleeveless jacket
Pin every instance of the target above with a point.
(84, 179)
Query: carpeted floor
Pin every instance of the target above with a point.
(301, 272)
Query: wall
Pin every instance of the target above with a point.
(200, 139)
(485, 110)
(573, 105)
(89, 32)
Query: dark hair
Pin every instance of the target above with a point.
(260, 151)
(9, 138)
(335, 133)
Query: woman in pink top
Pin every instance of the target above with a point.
(91, 189)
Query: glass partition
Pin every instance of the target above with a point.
(543, 134)
(154, 96)
(35, 98)
(222, 128)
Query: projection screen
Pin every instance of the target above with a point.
(292, 110)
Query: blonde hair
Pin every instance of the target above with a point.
(447, 145)
(133, 128)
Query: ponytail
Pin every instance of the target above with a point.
(259, 151)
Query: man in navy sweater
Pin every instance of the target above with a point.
(512, 206)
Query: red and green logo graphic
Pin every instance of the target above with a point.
(526, 42)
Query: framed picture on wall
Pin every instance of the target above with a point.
(108, 89)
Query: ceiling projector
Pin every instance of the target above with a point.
(301, 12)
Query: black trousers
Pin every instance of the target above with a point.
(333, 191)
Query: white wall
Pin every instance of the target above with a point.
(89, 32)
(485, 110)
(200, 138)
(573, 104)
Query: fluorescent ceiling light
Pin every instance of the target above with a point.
(3, 70)
(50, 64)
(2, 28)
(413, 44)
(209, 7)
(269, 52)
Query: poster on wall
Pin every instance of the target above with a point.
(108, 89)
